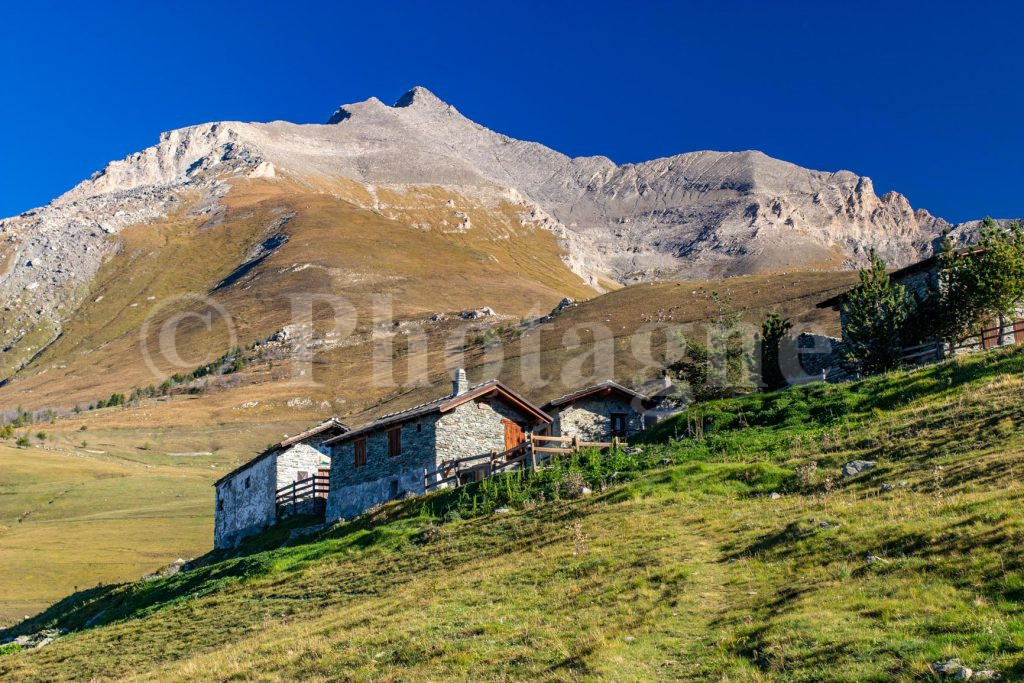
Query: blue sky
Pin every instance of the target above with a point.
(923, 98)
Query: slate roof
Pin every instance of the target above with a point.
(443, 405)
(330, 423)
(607, 385)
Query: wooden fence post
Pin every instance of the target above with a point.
(615, 443)
(575, 442)
(533, 453)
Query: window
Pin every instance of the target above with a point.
(618, 424)
(395, 442)
(359, 448)
(220, 504)
(394, 488)
(419, 426)
(248, 482)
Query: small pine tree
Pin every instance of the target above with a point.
(875, 312)
(773, 331)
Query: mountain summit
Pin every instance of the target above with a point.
(694, 215)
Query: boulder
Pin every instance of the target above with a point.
(856, 467)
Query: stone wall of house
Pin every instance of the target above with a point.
(299, 458)
(248, 503)
(382, 478)
(590, 418)
(475, 428)
(292, 463)
(809, 357)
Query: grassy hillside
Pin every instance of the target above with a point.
(209, 433)
(681, 564)
(108, 505)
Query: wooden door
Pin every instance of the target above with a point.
(514, 434)
(990, 335)
(1018, 331)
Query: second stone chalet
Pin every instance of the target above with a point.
(599, 413)
(386, 459)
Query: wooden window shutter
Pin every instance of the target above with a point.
(359, 447)
(395, 442)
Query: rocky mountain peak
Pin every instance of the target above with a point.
(418, 96)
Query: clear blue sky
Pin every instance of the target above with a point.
(922, 98)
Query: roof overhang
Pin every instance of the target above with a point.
(606, 388)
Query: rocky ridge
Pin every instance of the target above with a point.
(695, 215)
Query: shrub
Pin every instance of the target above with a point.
(22, 442)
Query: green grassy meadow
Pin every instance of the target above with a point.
(680, 565)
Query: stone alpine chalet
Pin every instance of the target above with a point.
(923, 276)
(386, 459)
(598, 413)
(339, 473)
(247, 496)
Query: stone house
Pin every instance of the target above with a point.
(921, 277)
(387, 458)
(246, 500)
(599, 413)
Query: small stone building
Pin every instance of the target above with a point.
(386, 459)
(921, 277)
(599, 413)
(246, 500)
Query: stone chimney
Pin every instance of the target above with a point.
(460, 384)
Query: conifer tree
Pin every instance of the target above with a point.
(875, 312)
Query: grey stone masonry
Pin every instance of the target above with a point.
(383, 477)
(589, 418)
(437, 432)
(475, 428)
(245, 504)
(246, 498)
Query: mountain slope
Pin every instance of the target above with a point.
(424, 166)
(689, 570)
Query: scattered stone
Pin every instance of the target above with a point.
(950, 667)
(825, 524)
(565, 303)
(775, 495)
(485, 312)
(887, 486)
(986, 675)
(855, 467)
(502, 511)
(585, 491)
(666, 461)
(629, 639)
(44, 642)
(872, 559)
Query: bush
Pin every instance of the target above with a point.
(22, 442)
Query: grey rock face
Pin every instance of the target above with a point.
(692, 215)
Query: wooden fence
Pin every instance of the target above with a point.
(532, 453)
(311, 492)
(988, 338)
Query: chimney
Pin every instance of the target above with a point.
(460, 384)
